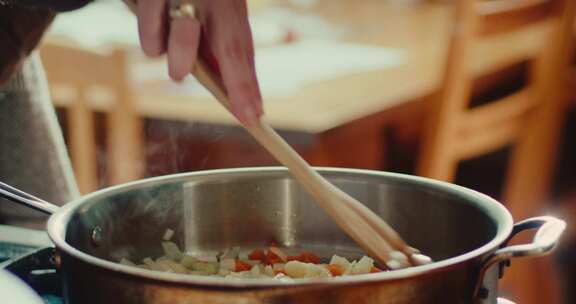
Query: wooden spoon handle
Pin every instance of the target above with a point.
(316, 185)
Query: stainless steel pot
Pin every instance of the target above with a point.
(464, 231)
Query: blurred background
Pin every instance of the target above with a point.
(483, 97)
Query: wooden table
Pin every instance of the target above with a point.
(347, 114)
(420, 31)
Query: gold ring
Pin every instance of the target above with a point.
(182, 9)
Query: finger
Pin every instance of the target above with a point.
(182, 46)
(236, 61)
(152, 16)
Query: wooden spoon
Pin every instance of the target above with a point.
(374, 235)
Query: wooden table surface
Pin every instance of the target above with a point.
(421, 31)
(418, 30)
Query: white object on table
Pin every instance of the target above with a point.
(284, 70)
(15, 291)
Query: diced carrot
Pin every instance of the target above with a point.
(272, 258)
(293, 258)
(375, 269)
(305, 257)
(309, 257)
(242, 266)
(278, 252)
(257, 255)
(335, 270)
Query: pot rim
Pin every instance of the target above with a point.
(58, 224)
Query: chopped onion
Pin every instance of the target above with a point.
(228, 264)
(172, 251)
(209, 259)
(278, 266)
(342, 262)
(231, 253)
(168, 234)
(171, 266)
(269, 271)
(188, 260)
(363, 266)
(296, 269)
(223, 271)
(255, 271)
(206, 267)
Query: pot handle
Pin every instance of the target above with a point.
(549, 231)
(18, 196)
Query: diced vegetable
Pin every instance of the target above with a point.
(223, 271)
(242, 266)
(342, 262)
(172, 251)
(269, 271)
(271, 263)
(228, 264)
(171, 266)
(278, 253)
(257, 255)
(209, 259)
(305, 257)
(335, 270)
(188, 261)
(206, 267)
(295, 269)
(231, 254)
(256, 271)
(251, 262)
(272, 258)
(168, 234)
(363, 266)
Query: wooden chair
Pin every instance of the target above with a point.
(529, 119)
(83, 83)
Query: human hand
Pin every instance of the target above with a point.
(220, 35)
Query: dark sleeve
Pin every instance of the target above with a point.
(20, 31)
(55, 5)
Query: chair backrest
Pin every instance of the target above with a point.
(529, 119)
(457, 132)
(84, 82)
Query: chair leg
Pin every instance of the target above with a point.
(125, 147)
(83, 146)
(350, 147)
(528, 183)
